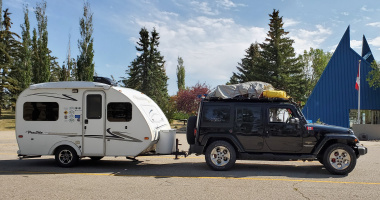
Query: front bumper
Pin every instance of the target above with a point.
(362, 150)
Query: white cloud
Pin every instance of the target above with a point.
(365, 9)
(356, 44)
(227, 4)
(210, 47)
(204, 8)
(304, 39)
(345, 13)
(375, 42)
(374, 24)
(289, 22)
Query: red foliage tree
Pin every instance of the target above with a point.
(189, 98)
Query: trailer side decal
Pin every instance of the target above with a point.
(116, 135)
(47, 94)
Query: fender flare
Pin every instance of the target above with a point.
(65, 143)
(339, 137)
(231, 138)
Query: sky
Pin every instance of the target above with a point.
(211, 36)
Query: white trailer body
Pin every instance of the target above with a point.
(94, 119)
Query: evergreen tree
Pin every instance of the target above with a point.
(159, 77)
(285, 70)
(180, 74)
(147, 71)
(40, 56)
(85, 64)
(9, 51)
(249, 68)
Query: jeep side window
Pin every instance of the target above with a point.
(280, 115)
(248, 119)
(216, 114)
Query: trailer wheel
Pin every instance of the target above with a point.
(66, 156)
(191, 122)
(220, 155)
(339, 159)
(96, 158)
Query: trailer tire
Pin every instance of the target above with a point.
(66, 156)
(191, 122)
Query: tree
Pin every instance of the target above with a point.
(9, 51)
(188, 99)
(249, 68)
(147, 71)
(373, 76)
(40, 56)
(85, 64)
(315, 62)
(284, 69)
(68, 70)
(180, 74)
(26, 53)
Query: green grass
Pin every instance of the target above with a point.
(7, 120)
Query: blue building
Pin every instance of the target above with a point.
(334, 99)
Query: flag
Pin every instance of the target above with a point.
(357, 85)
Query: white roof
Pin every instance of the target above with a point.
(69, 85)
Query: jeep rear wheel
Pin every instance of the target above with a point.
(191, 122)
(339, 159)
(220, 155)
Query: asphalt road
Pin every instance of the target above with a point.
(163, 177)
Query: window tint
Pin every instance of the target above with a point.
(248, 120)
(40, 111)
(279, 115)
(216, 114)
(119, 112)
(94, 106)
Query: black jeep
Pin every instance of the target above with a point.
(265, 129)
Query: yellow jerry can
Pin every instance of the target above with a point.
(275, 94)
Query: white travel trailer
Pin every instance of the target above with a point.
(85, 119)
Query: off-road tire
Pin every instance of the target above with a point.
(66, 156)
(220, 155)
(339, 159)
(191, 122)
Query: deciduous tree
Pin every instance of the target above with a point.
(85, 63)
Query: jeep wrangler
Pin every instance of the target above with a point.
(226, 130)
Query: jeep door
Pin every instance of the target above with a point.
(248, 126)
(282, 135)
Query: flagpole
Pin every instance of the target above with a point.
(359, 94)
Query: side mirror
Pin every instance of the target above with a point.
(294, 120)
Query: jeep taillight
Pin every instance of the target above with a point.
(195, 132)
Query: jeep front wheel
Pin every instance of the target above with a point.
(339, 159)
(220, 155)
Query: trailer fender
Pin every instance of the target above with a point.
(64, 143)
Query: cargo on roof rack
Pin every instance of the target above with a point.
(247, 90)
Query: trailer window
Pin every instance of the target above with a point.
(94, 106)
(40, 111)
(119, 112)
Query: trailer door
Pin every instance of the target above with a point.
(94, 123)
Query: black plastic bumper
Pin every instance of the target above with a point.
(362, 150)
